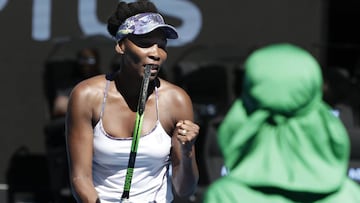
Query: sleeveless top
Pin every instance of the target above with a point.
(151, 180)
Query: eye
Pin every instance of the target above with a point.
(144, 44)
(162, 44)
(146, 41)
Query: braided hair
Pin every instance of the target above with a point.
(125, 10)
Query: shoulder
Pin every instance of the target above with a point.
(89, 90)
(91, 85)
(175, 101)
(173, 93)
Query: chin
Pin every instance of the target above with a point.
(153, 76)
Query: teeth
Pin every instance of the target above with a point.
(154, 66)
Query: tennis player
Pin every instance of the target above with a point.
(101, 119)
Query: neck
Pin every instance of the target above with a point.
(127, 86)
(130, 89)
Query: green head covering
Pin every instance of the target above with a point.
(280, 133)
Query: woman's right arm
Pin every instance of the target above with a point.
(79, 141)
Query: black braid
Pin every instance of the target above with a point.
(125, 10)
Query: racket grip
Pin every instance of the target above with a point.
(147, 69)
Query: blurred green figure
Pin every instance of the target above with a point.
(280, 140)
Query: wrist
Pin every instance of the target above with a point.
(187, 151)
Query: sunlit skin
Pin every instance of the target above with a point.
(176, 114)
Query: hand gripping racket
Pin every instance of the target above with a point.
(136, 133)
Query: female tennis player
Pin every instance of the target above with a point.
(103, 111)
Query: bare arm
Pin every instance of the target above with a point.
(79, 140)
(185, 173)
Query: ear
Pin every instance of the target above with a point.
(119, 49)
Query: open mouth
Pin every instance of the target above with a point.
(154, 69)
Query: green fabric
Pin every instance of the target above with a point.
(281, 135)
(230, 190)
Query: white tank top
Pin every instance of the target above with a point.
(151, 181)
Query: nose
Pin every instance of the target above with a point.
(155, 52)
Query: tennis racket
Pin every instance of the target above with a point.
(136, 133)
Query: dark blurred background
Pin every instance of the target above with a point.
(40, 39)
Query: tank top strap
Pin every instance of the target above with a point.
(104, 99)
(157, 105)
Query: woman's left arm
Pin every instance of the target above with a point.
(185, 173)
